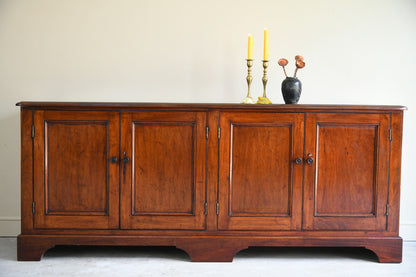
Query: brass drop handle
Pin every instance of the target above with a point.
(113, 160)
(309, 160)
(298, 160)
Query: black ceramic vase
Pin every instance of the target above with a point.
(291, 89)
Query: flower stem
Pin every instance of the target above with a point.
(284, 70)
(296, 70)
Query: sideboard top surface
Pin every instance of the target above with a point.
(203, 106)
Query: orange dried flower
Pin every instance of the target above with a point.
(300, 64)
(298, 58)
(283, 62)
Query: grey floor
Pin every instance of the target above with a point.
(167, 261)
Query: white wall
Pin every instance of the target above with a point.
(356, 52)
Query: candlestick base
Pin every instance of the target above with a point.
(248, 100)
(263, 100)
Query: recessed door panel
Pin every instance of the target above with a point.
(346, 185)
(164, 185)
(259, 179)
(164, 158)
(76, 186)
(76, 148)
(258, 166)
(347, 168)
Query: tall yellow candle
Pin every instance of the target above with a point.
(250, 47)
(266, 45)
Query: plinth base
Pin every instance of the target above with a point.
(208, 248)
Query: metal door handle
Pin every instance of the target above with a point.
(113, 160)
(298, 160)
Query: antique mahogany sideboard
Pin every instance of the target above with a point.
(211, 179)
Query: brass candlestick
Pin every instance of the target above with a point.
(249, 99)
(264, 99)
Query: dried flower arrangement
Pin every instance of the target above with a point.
(299, 64)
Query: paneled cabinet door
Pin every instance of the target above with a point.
(163, 180)
(260, 183)
(346, 181)
(75, 184)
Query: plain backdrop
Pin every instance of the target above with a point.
(356, 52)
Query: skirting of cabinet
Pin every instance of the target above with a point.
(210, 248)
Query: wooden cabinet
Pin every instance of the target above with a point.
(211, 179)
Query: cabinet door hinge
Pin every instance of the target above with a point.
(206, 132)
(387, 209)
(390, 134)
(33, 207)
(33, 131)
(219, 132)
(218, 208)
(206, 208)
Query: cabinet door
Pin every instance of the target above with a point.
(75, 185)
(346, 185)
(260, 185)
(163, 187)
